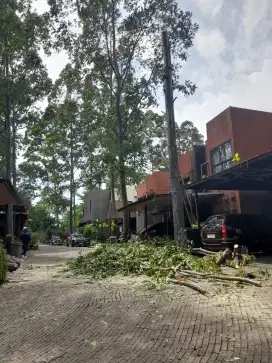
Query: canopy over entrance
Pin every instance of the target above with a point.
(162, 202)
(252, 175)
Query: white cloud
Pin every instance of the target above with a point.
(209, 43)
(247, 91)
(254, 13)
(211, 7)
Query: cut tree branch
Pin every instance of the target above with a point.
(188, 284)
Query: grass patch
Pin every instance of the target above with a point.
(154, 259)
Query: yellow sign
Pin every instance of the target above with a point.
(236, 158)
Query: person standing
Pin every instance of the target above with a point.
(25, 238)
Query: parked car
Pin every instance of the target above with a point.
(224, 231)
(78, 240)
(55, 240)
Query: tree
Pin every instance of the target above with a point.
(120, 44)
(77, 216)
(46, 161)
(188, 135)
(39, 217)
(23, 77)
(55, 145)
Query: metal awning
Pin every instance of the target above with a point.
(159, 200)
(162, 202)
(252, 175)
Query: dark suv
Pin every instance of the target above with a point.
(222, 231)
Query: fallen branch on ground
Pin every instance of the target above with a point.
(188, 284)
(218, 277)
(201, 252)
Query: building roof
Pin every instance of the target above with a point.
(251, 175)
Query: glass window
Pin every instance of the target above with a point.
(221, 157)
(213, 222)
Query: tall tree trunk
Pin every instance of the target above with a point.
(7, 112)
(74, 202)
(14, 156)
(122, 173)
(71, 179)
(120, 129)
(113, 191)
(177, 188)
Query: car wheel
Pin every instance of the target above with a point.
(73, 244)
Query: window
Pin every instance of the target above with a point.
(214, 222)
(221, 157)
(90, 207)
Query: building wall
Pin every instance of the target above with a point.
(186, 164)
(252, 132)
(97, 205)
(157, 183)
(219, 130)
(131, 194)
(140, 220)
(5, 196)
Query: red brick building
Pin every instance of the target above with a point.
(235, 130)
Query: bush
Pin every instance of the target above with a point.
(3, 265)
(34, 240)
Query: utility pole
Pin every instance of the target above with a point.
(175, 179)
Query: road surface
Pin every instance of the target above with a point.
(47, 316)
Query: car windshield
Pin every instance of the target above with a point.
(77, 235)
(214, 222)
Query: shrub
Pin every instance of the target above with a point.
(34, 240)
(3, 265)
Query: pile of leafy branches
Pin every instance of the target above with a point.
(3, 265)
(154, 258)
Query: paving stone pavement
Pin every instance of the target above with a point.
(46, 318)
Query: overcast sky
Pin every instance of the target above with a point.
(231, 61)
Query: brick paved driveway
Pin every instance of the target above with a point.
(47, 318)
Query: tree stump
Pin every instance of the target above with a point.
(222, 259)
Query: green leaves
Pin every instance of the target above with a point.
(154, 259)
(119, 54)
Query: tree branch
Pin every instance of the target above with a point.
(104, 78)
(139, 102)
(107, 40)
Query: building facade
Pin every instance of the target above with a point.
(235, 130)
(242, 131)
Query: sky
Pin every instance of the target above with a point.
(230, 62)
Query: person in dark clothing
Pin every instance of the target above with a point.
(25, 238)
